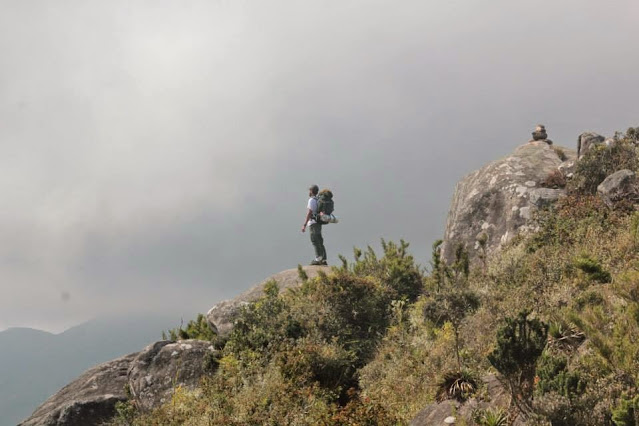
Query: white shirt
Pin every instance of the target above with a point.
(312, 205)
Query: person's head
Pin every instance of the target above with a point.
(313, 190)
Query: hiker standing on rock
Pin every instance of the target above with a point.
(316, 228)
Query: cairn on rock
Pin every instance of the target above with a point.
(540, 134)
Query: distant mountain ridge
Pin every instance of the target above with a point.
(34, 364)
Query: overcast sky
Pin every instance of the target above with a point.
(156, 155)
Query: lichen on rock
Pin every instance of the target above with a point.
(500, 198)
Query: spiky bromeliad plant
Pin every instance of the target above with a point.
(459, 385)
(491, 417)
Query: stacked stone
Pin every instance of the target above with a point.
(540, 134)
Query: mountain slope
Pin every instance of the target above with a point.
(34, 364)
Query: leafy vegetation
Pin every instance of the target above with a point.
(601, 161)
(195, 329)
(451, 307)
(520, 343)
(491, 417)
(592, 268)
(294, 357)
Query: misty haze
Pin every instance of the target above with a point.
(156, 155)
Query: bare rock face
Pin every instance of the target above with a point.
(586, 141)
(568, 167)
(150, 376)
(89, 399)
(619, 186)
(222, 315)
(499, 199)
(161, 367)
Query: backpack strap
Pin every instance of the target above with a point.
(315, 216)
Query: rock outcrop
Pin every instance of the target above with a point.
(498, 200)
(586, 141)
(148, 377)
(160, 367)
(222, 315)
(89, 399)
(619, 186)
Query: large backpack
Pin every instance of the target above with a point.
(325, 207)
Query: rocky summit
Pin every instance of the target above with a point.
(496, 202)
(221, 315)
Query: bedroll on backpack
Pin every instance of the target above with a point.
(325, 207)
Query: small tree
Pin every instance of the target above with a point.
(461, 266)
(520, 342)
(452, 306)
(438, 272)
(634, 229)
(626, 413)
(396, 269)
(195, 329)
(483, 250)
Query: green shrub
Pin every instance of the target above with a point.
(553, 375)
(451, 306)
(556, 410)
(627, 286)
(263, 326)
(329, 365)
(626, 413)
(349, 309)
(125, 413)
(491, 417)
(588, 298)
(438, 267)
(599, 162)
(592, 268)
(461, 266)
(396, 269)
(195, 329)
(520, 342)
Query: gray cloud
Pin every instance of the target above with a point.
(156, 154)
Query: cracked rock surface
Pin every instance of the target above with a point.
(149, 377)
(499, 199)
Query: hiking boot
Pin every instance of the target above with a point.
(324, 263)
(316, 262)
